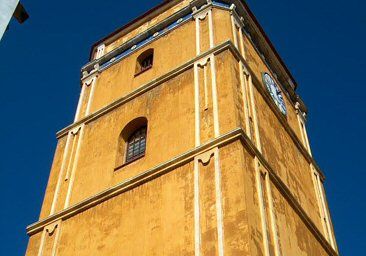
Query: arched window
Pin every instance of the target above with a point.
(144, 61)
(131, 142)
(136, 145)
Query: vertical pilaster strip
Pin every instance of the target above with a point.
(301, 130)
(241, 39)
(233, 27)
(261, 207)
(197, 105)
(213, 74)
(71, 159)
(198, 41)
(257, 169)
(59, 179)
(51, 229)
(327, 214)
(314, 176)
(197, 218)
(214, 97)
(211, 28)
(244, 99)
(41, 244)
(241, 69)
(197, 228)
(301, 122)
(74, 166)
(57, 236)
(254, 113)
(306, 138)
(91, 96)
(272, 216)
(219, 208)
(81, 99)
(236, 22)
(325, 211)
(205, 86)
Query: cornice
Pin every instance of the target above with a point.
(146, 87)
(252, 28)
(135, 181)
(170, 165)
(250, 25)
(153, 33)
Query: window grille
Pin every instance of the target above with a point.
(136, 145)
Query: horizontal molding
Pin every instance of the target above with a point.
(136, 40)
(287, 194)
(146, 87)
(186, 66)
(153, 33)
(267, 98)
(167, 25)
(136, 23)
(134, 48)
(135, 181)
(157, 171)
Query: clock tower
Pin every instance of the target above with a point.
(189, 138)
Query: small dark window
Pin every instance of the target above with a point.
(147, 62)
(136, 145)
(144, 61)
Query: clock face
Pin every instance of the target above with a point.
(275, 92)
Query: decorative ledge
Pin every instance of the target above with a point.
(177, 19)
(156, 82)
(188, 156)
(145, 87)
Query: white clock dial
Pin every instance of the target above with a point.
(275, 92)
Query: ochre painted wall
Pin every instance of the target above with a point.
(258, 66)
(119, 80)
(286, 159)
(134, 223)
(294, 236)
(239, 195)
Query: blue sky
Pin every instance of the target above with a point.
(322, 43)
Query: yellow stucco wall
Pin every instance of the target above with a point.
(157, 216)
(51, 186)
(134, 223)
(294, 236)
(286, 159)
(258, 66)
(170, 133)
(120, 79)
(33, 244)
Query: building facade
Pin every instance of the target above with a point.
(189, 139)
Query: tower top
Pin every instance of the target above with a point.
(251, 25)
